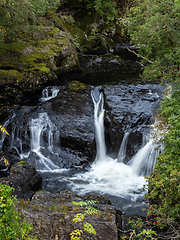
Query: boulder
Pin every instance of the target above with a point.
(24, 179)
(72, 111)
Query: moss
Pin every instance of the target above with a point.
(12, 73)
(16, 47)
(76, 32)
(36, 207)
(45, 70)
(22, 163)
(41, 67)
(59, 208)
(76, 86)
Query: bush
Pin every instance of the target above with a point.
(106, 9)
(11, 225)
(18, 16)
(154, 28)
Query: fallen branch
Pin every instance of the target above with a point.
(137, 55)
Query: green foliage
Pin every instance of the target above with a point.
(76, 234)
(103, 8)
(154, 28)
(91, 210)
(11, 225)
(20, 15)
(80, 203)
(146, 232)
(165, 180)
(89, 228)
(79, 217)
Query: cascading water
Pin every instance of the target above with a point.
(44, 139)
(112, 176)
(144, 161)
(122, 150)
(99, 126)
(40, 127)
(48, 93)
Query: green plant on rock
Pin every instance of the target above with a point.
(79, 217)
(11, 225)
(165, 181)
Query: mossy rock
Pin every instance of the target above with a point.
(35, 63)
(76, 86)
(9, 74)
(22, 163)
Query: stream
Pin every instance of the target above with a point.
(102, 144)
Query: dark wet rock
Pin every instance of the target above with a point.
(129, 108)
(51, 216)
(67, 119)
(101, 199)
(72, 113)
(24, 179)
(121, 60)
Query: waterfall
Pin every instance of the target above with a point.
(122, 150)
(40, 128)
(107, 175)
(48, 93)
(143, 162)
(99, 126)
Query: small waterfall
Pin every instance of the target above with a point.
(40, 128)
(143, 162)
(99, 125)
(48, 93)
(122, 150)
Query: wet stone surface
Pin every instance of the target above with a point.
(130, 108)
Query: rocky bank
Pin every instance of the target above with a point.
(52, 214)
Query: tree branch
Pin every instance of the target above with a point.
(137, 55)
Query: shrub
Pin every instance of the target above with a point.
(11, 225)
(18, 16)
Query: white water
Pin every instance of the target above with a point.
(39, 128)
(112, 176)
(99, 128)
(49, 93)
(122, 150)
